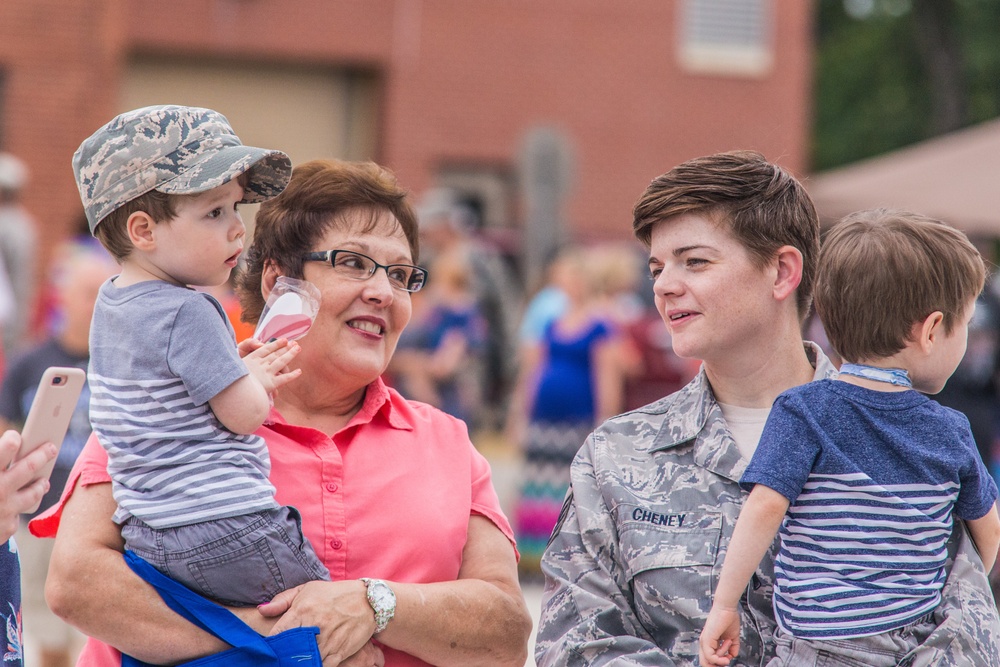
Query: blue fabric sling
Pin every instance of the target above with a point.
(291, 648)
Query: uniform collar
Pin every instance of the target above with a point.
(694, 414)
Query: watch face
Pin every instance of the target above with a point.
(382, 595)
(383, 602)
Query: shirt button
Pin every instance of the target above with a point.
(336, 544)
(331, 487)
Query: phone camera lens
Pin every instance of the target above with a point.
(57, 380)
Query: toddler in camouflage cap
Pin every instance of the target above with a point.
(174, 401)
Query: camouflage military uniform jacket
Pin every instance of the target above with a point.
(637, 553)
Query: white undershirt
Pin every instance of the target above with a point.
(746, 425)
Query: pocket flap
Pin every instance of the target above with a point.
(659, 537)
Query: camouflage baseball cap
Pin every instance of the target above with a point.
(171, 149)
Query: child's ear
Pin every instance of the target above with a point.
(929, 331)
(140, 228)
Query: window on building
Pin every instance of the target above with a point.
(726, 37)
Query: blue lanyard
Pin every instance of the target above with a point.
(896, 376)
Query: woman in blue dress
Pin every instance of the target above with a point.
(570, 381)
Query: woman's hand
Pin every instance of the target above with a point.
(369, 656)
(341, 611)
(18, 493)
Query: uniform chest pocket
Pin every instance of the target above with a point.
(655, 537)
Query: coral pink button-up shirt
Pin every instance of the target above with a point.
(389, 496)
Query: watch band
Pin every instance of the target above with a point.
(382, 600)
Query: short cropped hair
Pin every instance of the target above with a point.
(763, 206)
(881, 271)
(316, 199)
(112, 231)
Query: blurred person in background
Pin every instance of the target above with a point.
(548, 302)
(18, 245)
(655, 371)
(972, 389)
(568, 382)
(448, 225)
(649, 366)
(80, 267)
(616, 270)
(46, 309)
(439, 359)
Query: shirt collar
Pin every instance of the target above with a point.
(699, 409)
(380, 399)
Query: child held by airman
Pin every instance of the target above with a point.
(863, 476)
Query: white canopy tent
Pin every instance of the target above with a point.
(955, 177)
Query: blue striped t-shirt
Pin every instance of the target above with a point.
(874, 480)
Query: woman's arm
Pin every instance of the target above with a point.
(90, 586)
(609, 379)
(530, 357)
(479, 619)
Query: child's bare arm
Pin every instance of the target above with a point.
(985, 533)
(759, 521)
(243, 406)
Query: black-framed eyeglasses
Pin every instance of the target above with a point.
(356, 266)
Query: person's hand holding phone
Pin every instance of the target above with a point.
(20, 488)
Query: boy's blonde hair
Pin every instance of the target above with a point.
(881, 271)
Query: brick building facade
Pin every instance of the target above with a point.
(440, 91)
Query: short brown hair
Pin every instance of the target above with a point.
(882, 271)
(112, 231)
(764, 207)
(318, 195)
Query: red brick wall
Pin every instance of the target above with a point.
(464, 80)
(61, 61)
(607, 72)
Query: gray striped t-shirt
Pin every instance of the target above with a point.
(158, 353)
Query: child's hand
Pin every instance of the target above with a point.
(268, 362)
(720, 639)
(248, 345)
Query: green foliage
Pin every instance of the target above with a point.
(873, 93)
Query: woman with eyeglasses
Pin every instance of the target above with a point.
(394, 498)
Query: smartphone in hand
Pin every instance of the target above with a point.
(51, 412)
